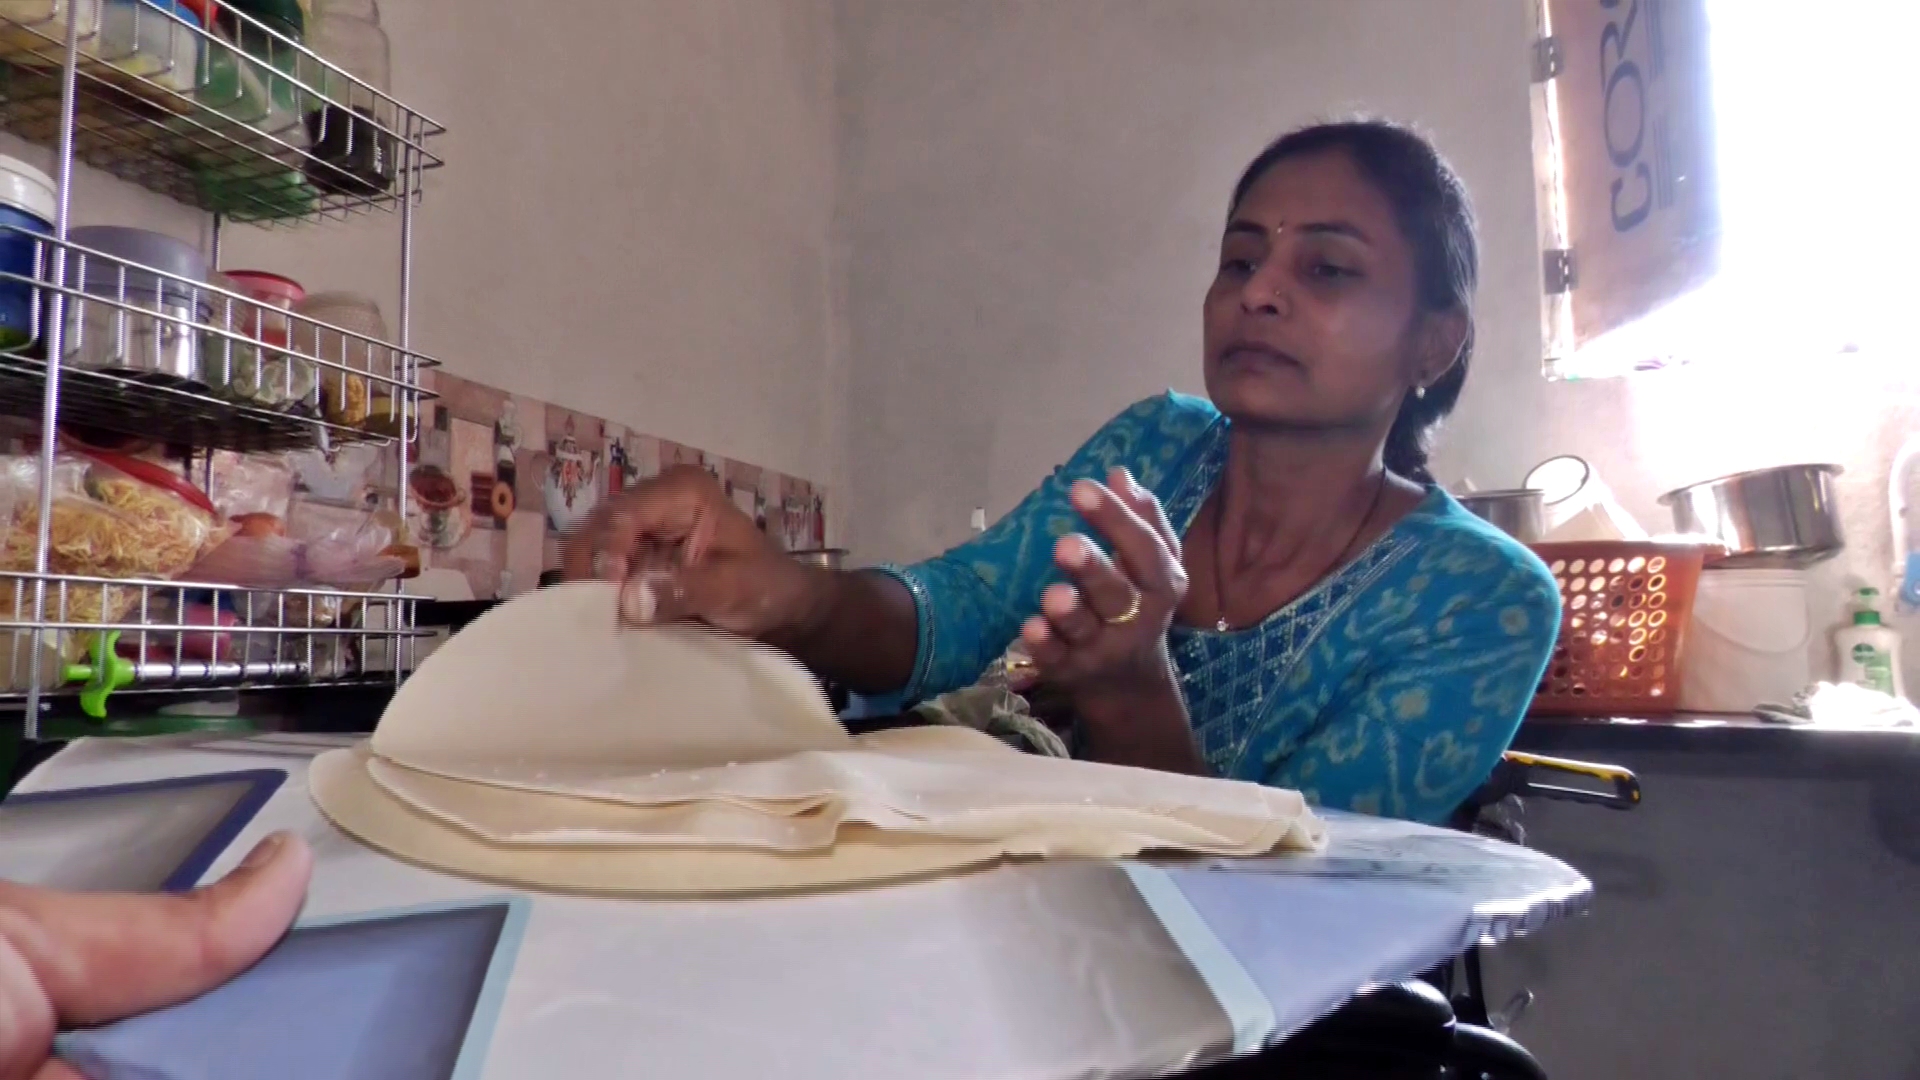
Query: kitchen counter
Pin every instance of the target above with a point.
(1753, 916)
(1788, 749)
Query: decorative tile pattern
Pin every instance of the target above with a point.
(521, 467)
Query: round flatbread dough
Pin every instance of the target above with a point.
(342, 789)
(553, 670)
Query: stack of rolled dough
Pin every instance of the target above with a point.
(544, 746)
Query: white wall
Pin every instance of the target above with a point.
(1032, 194)
(1036, 193)
(633, 220)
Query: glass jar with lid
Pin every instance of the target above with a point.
(351, 346)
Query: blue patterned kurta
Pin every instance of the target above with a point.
(1391, 687)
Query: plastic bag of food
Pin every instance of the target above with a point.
(341, 478)
(318, 544)
(246, 486)
(113, 517)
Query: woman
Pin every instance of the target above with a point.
(1279, 593)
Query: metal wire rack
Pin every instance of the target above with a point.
(187, 111)
(235, 118)
(178, 361)
(183, 636)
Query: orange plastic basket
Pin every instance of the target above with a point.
(1625, 608)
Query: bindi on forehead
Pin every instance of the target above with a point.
(1324, 187)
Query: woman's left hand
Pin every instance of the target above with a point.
(1102, 635)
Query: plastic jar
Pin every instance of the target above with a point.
(156, 40)
(1747, 641)
(133, 326)
(262, 376)
(277, 65)
(351, 155)
(34, 32)
(27, 207)
(345, 397)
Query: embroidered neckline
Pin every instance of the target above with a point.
(1204, 475)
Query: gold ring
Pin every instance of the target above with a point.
(1127, 616)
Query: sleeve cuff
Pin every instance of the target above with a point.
(923, 638)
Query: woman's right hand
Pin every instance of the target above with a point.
(684, 551)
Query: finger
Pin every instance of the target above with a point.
(1142, 503)
(1107, 591)
(627, 534)
(669, 509)
(27, 1023)
(1072, 620)
(1142, 552)
(1043, 645)
(654, 597)
(106, 956)
(719, 594)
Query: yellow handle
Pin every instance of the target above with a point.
(1626, 786)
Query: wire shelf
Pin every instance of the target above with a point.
(165, 638)
(174, 360)
(271, 132)
(217, 110)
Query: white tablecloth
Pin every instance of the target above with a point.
(1041, 971)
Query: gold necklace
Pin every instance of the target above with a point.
(1220, 546)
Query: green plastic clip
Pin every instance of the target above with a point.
(108, 672)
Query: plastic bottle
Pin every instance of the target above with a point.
(1868, 652)
(275, 68)
(351, 155)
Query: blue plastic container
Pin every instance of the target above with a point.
(26, 211)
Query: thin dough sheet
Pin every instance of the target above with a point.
(349, 798)
(948, 784)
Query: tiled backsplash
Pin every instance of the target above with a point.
(497, 478)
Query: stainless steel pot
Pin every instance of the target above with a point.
(1783, 517)
(829, 558)
(1520, 513)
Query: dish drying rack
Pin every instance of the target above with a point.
(151, 123)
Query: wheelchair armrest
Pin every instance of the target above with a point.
(1623, 788)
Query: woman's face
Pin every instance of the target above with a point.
(1311, 319)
